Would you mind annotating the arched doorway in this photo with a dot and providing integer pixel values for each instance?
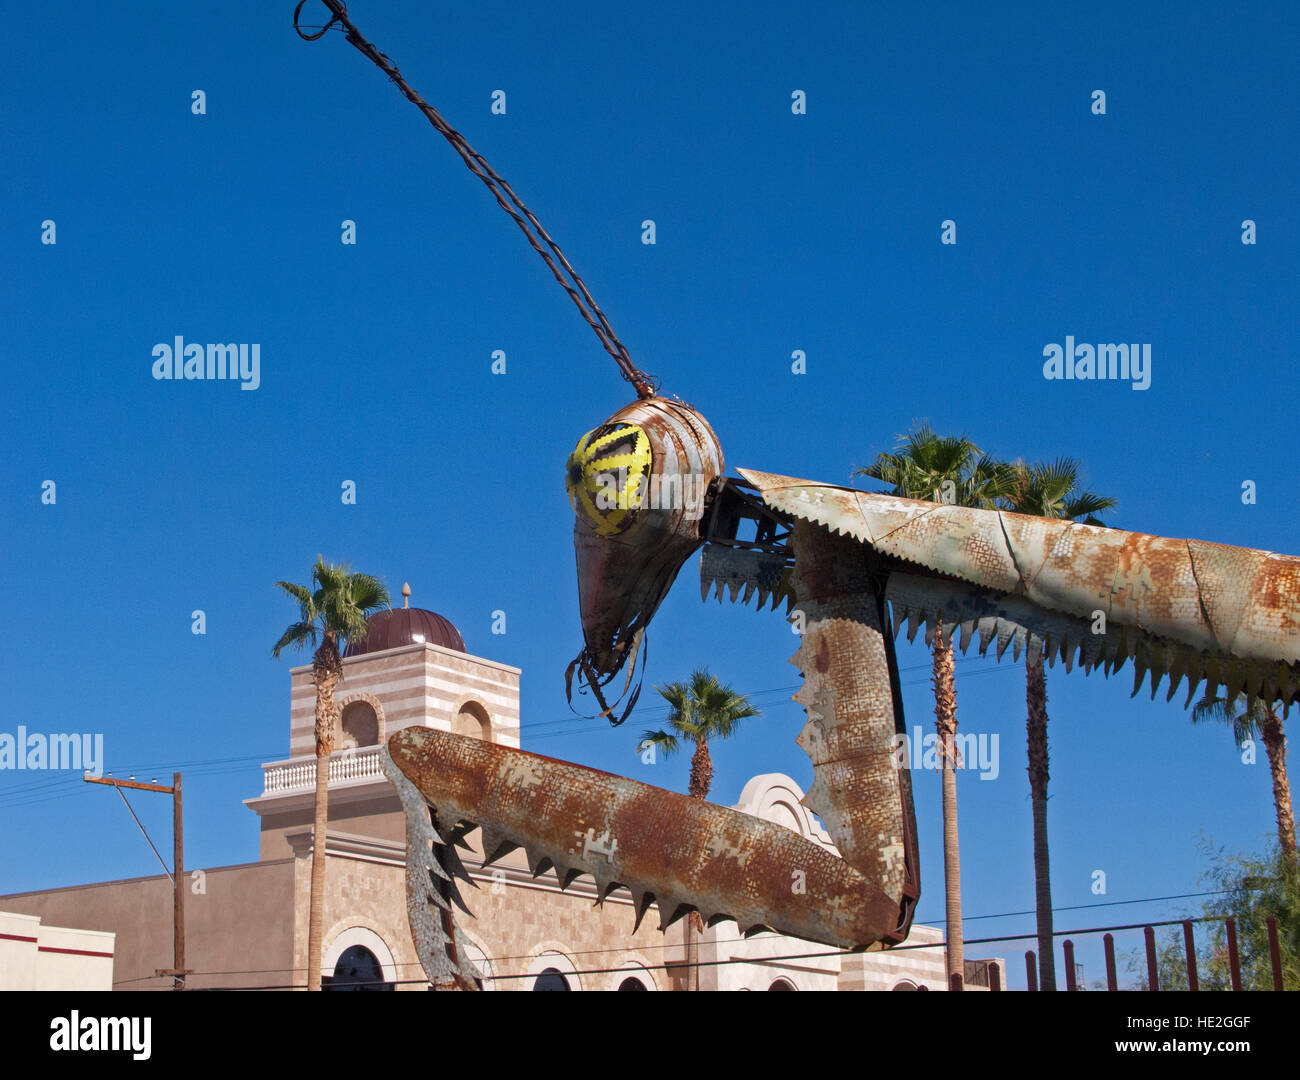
(551, 979)
(356, 969)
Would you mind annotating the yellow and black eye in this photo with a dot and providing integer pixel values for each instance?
(607, 476)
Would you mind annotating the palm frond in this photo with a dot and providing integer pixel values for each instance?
(298, 636)
(664, 740)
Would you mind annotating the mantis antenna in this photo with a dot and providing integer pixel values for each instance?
(538, 237)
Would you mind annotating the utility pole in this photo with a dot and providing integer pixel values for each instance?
(177, 971)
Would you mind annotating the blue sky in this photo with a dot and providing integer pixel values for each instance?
(775, 232)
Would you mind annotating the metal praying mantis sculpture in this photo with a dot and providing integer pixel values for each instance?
(648, 491)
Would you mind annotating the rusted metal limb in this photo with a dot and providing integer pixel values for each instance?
(854, 706)
(1212, 614)
(679, 853)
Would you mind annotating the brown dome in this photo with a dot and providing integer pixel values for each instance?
(396, 627)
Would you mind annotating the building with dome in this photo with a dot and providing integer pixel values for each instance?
(246, 925)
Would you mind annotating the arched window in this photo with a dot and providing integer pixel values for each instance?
(357, 969)
(359, 726)
(551, 979)
(782, 984)
(631, 983)
(472, 720)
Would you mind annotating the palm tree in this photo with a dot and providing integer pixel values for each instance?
(701, 709)
(1046, 489)
(952, 470)
(1259, 720)
(336, 610)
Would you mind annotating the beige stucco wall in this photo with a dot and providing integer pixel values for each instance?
(240, 924)
(34, 956)
(376, 812)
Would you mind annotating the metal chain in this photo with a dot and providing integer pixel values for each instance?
(501, 191)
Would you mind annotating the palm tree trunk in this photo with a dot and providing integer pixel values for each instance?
(945, 723)
(1275, 745)
(701, 771)
(701, 782)
(1036, 732)
(325, 669)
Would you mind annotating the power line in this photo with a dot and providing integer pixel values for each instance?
(838, 952)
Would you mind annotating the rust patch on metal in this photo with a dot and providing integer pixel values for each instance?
(680, 853)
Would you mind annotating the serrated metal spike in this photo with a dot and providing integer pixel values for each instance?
(1236, 679)
(817, 797)
(1213, 675)
(565, 875)
(538, 863)
(967, 632)
(988, 628)
(750, 931)
(1017, 643)
(1156, 676)
(640, 905)
(1139, 671)
(1005, 637)
(1132, 641)
(452, 862)
(458, 900)
(1118, 658)
(915, 621)
(749, 591)
(682, 910)
(496, 845)
(670, 910)
(1175, 679)
(1177, 669)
